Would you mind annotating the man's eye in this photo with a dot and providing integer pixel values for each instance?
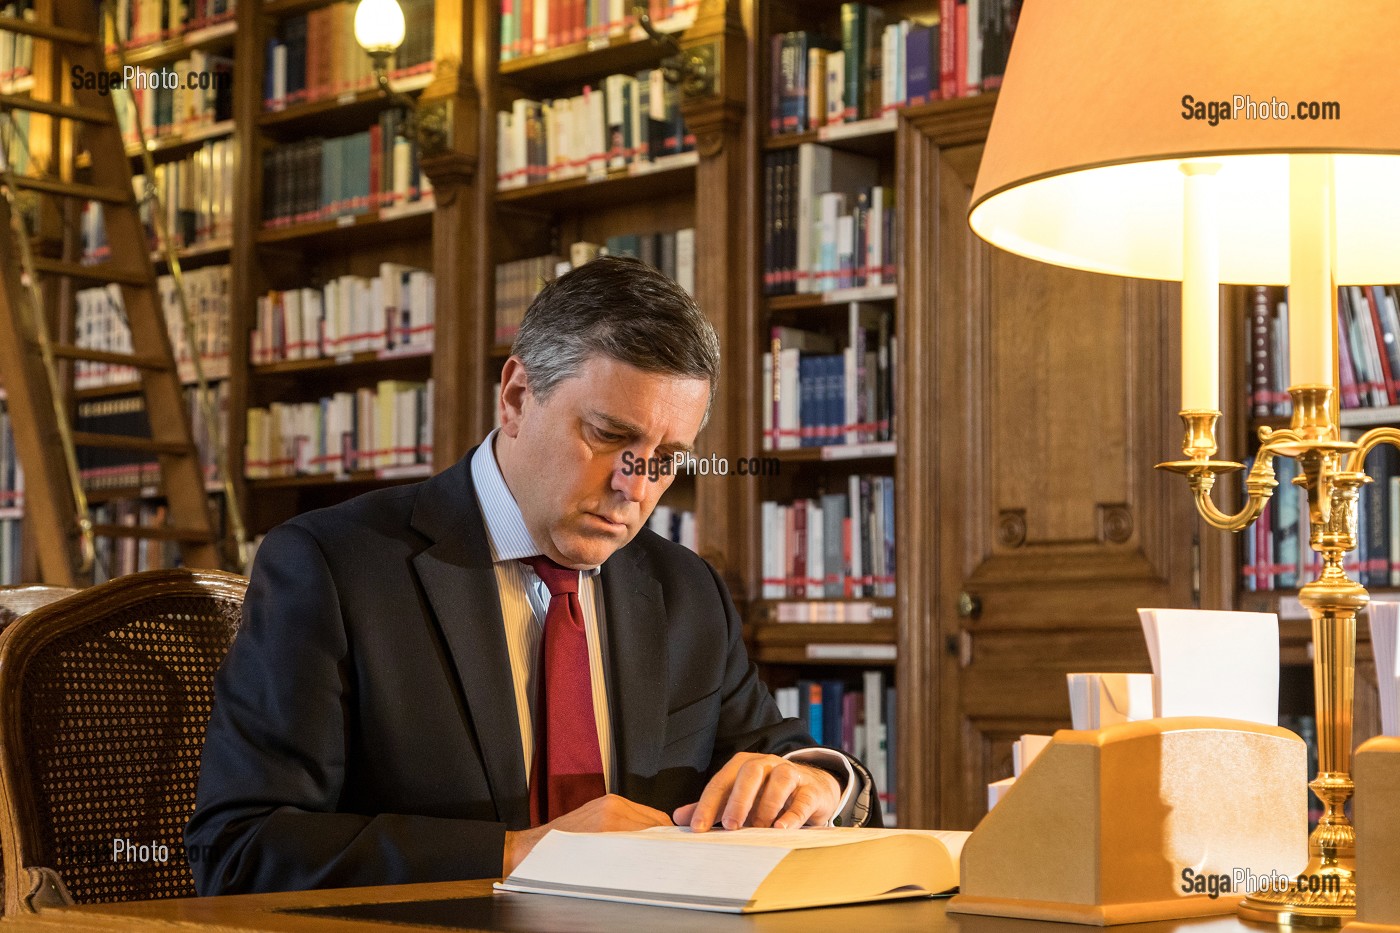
(608, 437)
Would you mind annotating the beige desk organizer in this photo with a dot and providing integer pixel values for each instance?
(1100, 827)
(1377, 808)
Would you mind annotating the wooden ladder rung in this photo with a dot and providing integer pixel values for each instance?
(52, 109)
(26, 27)
(100, 273)
(73, 189)
(140, 361)
(130, 442)
(154, 533)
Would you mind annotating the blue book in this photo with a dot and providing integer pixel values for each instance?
(833, 710)
(921, 64)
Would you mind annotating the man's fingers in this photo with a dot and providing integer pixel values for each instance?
(714, 795)
(777, 790)
(747, 784)
(683, 814)
(804, 804)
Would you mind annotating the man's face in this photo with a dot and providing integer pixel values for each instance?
(571, 460)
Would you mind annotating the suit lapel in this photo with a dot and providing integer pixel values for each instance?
(460, 583)
(636, 614)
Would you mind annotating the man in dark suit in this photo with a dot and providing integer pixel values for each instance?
(429, 678)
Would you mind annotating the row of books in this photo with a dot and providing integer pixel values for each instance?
(838, 546)
(11, 473)
(14, 140)
(676, 525)
(110, 468)
(387, 426)
(314, 56)
(117, 557)
(208, 295)
(817, 393)
(518, 282)
(177, 98)
(1368, 348)
(16, 51)
(100, 323)
(876, 67)
(142, 22)
(195, 193)
(625, 120)
(1276, 554)
(859, 720)
(322, 179)
(530, 27)
(829, 223)
(392, 312)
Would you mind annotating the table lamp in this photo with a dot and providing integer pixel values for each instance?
(380, 30)
(1238, 141)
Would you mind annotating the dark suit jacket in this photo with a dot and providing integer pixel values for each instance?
(364, 727)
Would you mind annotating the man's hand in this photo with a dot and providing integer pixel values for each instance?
(763, 790)
(608, 814)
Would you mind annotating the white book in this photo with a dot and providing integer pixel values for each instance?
(685, 259)
(1025, 750)
(998, 790)
(835, 87)
(743, 871)
(875, 751)
(1214, 663)
(1384, 619)
(890, 44)
(816, 573)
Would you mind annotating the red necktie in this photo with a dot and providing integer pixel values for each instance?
(566, 734)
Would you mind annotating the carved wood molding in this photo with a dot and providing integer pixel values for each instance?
(449, 173)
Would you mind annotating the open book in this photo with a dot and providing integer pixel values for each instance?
(743, 871)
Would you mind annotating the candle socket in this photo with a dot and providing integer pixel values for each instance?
(1199, 443)
(1312, 412)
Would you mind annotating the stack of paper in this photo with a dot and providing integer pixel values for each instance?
(1098, 700)
(1385, 619)
(1214, 663)
(1023, 751)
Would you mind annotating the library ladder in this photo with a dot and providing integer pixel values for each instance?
(66, 38)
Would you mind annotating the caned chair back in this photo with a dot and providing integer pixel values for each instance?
(15, 601)
(104, 701)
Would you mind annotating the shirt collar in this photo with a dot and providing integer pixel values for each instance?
(505, 525)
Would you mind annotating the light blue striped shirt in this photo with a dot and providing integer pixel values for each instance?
(525, 600)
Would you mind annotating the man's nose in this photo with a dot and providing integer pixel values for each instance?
(632, 485)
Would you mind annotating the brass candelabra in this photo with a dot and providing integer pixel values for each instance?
(1332, 474)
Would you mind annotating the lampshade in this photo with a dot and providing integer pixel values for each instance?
(379, 25)
(1082, 163)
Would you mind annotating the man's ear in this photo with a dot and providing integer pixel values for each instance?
(515, 388)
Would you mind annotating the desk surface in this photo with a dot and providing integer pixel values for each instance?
(471, 905)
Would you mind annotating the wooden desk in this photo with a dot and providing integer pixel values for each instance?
(471, 905)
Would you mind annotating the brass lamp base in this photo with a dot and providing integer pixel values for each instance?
(1330, 907)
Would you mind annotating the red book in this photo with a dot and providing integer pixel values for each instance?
(525, 16)
(1387, 375)
(948, 82)
(799, 548)
(960, 50)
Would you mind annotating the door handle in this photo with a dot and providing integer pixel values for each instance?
(969, 606)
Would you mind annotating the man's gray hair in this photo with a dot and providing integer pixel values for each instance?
(620, 308)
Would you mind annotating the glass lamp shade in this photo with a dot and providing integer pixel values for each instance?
(1102, 100)
(379, 25)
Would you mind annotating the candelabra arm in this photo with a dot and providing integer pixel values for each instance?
(1369, 441)
(1259, 483)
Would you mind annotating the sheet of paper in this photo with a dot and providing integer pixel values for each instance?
(997, 790)
(1214, 663)
(1384, 618)
(1025, 750)
(1124, 698)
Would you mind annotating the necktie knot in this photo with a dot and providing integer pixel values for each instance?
(558, 578)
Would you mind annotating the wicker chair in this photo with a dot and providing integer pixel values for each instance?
(104, 700)
(15, 601)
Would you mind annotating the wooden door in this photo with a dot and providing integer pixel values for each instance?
(1035, 402)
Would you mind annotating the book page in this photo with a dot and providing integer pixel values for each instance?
(808, 837)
